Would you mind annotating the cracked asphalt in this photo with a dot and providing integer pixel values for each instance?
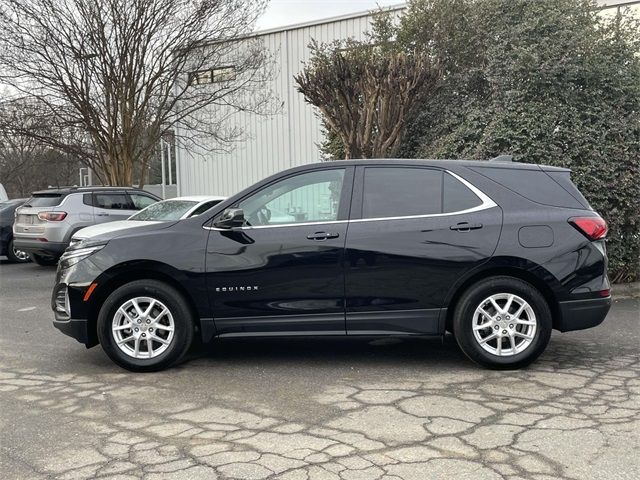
(307, 409)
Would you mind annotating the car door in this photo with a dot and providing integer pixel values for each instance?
(282, 271)
(414, 231)
(110, 206)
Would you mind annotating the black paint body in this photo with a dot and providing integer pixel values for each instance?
(380, 276)
(7, 216)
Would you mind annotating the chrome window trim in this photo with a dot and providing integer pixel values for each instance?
(487, 203)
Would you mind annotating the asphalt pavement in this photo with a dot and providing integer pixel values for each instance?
(311, 409)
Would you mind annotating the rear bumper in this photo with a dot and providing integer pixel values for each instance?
(581, 314)
(47, 249)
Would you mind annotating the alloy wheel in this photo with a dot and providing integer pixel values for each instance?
(20, 255)
(504, 324)
(143, 327)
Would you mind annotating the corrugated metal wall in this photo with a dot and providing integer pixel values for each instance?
(273, 143)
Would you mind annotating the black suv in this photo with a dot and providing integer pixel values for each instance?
(498, 253)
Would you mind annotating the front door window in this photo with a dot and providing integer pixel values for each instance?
(306, 198)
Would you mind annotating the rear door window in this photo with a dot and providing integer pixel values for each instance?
(112, 201)
(401, 191)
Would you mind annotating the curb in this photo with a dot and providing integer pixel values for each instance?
(625, 290)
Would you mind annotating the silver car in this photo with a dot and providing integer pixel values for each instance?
(46, 222)
(170, 210)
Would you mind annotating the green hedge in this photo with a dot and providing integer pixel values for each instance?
(548, 81)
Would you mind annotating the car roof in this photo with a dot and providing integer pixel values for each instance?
(93, 188)
(447, 163)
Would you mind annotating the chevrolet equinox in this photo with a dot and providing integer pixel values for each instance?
(498, 253)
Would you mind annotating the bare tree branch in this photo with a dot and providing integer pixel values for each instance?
(121, 72)
(366, 94)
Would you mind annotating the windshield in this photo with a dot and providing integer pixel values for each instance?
(164, 211)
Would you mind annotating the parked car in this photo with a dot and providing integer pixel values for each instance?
(498, 253)
(46, 222)
(7, 215)
(3, 194)
(163, 211)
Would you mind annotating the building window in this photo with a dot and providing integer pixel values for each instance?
(213, 75)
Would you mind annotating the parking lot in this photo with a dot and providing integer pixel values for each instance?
(313, 408)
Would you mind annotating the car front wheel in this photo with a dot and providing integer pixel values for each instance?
(502, 322)
(145, 325)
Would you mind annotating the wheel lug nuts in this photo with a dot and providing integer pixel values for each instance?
(151, 329)
(511, 325)
(144, 334)
(508, 317)
(148, 321)
(136, 329)
(497, 327)
(504, 332)
(139, 321)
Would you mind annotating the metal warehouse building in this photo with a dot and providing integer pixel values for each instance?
(289, 138)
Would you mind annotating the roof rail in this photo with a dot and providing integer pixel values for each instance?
(502, 158)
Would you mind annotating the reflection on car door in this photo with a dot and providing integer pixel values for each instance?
(282, 272)
(414, 232)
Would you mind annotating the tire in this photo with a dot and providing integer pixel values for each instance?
(142, 292)
(505, 342)
(43, 261)
(16, 256)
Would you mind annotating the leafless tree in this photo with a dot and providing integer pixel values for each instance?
(116, 75)
(365, 94)
(26, 164)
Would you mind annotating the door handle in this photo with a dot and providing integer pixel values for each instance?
(465, 226)
(102, 214)
(322, 236)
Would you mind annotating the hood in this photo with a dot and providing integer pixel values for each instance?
(109, 230)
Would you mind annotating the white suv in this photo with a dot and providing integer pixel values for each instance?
(46, 222)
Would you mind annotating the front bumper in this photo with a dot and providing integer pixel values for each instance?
(77, 328)
(46, 249)
(581, 314)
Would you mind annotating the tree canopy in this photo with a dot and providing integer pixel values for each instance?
(554, 82)
(117, 75)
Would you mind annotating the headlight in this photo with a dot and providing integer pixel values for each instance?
(79, 251)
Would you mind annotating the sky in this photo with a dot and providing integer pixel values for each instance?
(289, 12)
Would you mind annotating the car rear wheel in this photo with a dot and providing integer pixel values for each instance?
(145, 325)
(42, 260)
(15, 255)
(502, 322)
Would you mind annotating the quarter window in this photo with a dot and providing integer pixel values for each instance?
(112, 201)
(308, 197)
(141, 201)
(401, 191)
(457, 196)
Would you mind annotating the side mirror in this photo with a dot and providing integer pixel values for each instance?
(230, 218)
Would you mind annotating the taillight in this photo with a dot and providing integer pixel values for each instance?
(594, 228)
(52, 216)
